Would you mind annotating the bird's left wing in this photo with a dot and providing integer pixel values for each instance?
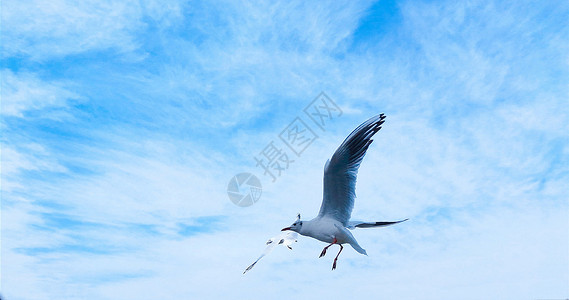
(341, 171)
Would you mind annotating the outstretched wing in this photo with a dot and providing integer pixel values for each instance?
(341, 171)
(286, 239)
(361, 224)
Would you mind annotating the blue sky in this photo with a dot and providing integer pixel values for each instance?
(123, 122)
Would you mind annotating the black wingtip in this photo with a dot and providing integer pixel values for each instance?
(249, 267)
(378, 224)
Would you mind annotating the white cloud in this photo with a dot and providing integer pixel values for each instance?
(29, 157)
(24, 92)
(43, 30)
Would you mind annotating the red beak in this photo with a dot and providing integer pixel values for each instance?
(286, 228)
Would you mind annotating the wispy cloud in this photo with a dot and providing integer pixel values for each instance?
(25, 93)
(42, 31)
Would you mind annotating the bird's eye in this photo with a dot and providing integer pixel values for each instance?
(300, 223)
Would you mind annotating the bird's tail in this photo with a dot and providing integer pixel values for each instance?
(358, 248)
(359, 224)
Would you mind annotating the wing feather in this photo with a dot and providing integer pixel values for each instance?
(340, 172)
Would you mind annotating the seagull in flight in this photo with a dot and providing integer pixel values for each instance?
(340, 172)
(285, 238)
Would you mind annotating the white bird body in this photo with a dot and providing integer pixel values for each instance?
(340, 172)
(327, 230)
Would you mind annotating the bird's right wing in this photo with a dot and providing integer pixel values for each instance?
(341, 171)
(360, 224)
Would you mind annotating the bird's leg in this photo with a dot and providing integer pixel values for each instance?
(326, 248)
(335, 259)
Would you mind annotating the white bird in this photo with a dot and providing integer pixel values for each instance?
(285, 238)
(340, 172)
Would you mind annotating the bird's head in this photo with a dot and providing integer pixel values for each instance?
(295, 226)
